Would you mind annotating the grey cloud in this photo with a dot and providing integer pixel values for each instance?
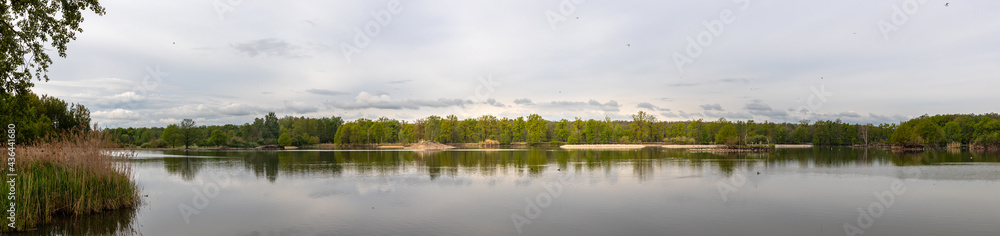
(729, 115)
(886, 118)
(270, 47)
(686, 115)
(850, 114)
(325, 92)
(210, 110)
(523, 101)
(650, 106)
(610, 106)
(735, 80)
(759, 108)
(757, 105)
(709, 107)
(365, 100)
(493, 102)
(299, 107)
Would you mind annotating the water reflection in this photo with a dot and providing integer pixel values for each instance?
(270, 165)
(345, 185)
(118, 222)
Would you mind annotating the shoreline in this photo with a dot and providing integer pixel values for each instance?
(602, 146)
(717, 146)
(475, 145)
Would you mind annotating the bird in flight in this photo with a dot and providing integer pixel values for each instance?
(946, 4)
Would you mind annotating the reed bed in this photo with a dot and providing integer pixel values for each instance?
(70, 174)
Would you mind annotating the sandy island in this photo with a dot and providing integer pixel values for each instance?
(603, 146)
(709, 146)
(425, 145)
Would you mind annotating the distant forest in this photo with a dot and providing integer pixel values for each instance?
(924, 131)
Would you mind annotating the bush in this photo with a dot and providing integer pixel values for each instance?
(679, 140)
(624, 139)
(285, 140)
(760, 139)
(238, 142)
(154, 143)
(991, 139)
(205, 143)
(265, 142)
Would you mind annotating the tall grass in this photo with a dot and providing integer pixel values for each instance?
(67, 175)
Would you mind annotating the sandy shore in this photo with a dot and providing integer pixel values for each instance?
(690, 146)
(602, 146)
(793, 146)
(701, 146)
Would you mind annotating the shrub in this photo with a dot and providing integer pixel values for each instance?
(240, 143)
(679, 140)
(761, 139)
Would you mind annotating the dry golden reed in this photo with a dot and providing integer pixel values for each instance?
(67, 175)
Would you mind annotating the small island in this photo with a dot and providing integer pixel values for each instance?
(425, 145)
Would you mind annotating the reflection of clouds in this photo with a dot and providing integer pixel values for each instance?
(326, 193)
(365, 189)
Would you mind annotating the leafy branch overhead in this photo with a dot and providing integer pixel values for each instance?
(27, 28)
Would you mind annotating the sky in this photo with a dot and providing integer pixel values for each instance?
(153, 63)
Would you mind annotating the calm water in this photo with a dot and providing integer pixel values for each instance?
(652, 191)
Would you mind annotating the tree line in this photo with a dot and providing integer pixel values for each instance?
(36, 117)
(643, 128)
(268, 130)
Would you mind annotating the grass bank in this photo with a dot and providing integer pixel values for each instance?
(65, 175)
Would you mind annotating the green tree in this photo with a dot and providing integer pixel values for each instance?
(562, 131)
(447, 128)
(219, 138)
(904, 136)
(641, 126)
(27, 26)
(536, 128)
(953, 131)
(171, 135)
(271, 127)
(188, 134)
(726, 135)
(285, 140)
(931, 133)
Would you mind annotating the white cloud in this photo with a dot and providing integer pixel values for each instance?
(428, 59)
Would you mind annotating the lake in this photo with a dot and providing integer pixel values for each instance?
(650, 191)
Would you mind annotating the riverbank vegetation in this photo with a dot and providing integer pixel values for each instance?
(977, 131)
(67, 174)
(925, 131)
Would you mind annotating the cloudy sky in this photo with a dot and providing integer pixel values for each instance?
(151, 63)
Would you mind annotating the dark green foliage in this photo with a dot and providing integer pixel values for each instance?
(35, 117)
(941, 129)
(187, 133)
(302, 131)
(726, 134)
(29, 28)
